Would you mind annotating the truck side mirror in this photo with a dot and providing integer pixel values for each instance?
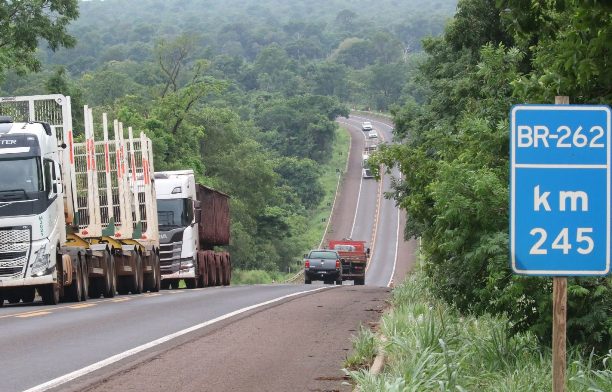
(368, 251)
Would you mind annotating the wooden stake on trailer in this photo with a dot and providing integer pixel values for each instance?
(559, 316)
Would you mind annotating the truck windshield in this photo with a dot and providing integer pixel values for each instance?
(20, 177)
(173, 213)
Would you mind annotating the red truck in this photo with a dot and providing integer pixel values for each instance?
(354, 257)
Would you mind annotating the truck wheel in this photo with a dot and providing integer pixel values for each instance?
(339, 282)
(307, 281)
(110, 277)
(359, 281)
(150, 281)
(219, 269)
(73, 292)
(229, 269)
(138, 276)
(205, 270)
(84, 280)
(226, 269)
(212, 272)
(50, 293)
(28, 295)
(1, 299)
(190, 283)
(157, 283)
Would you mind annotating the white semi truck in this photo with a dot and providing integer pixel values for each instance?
(77, 220)
(193, 219)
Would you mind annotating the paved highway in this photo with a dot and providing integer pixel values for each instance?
(173, 339)
(385, 237)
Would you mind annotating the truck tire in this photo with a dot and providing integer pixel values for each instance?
(307, 281)
(219, 269)
(157, 284)
(1, 299)
(84, 280)
(212, 272)
(109, 281)
(191, 283)
(339, 281)
(151, 280)
(50, 293)
(72, 293)
(222, 269)
(205, 270)
(229, 269)
(137, 278)
(226, 269)
(359, 281)
(202, 271)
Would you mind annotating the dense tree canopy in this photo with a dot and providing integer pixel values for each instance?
(24, 23)
(454, 151)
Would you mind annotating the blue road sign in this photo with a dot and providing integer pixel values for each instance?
(560, 188)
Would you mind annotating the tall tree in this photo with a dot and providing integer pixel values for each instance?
(24, 23)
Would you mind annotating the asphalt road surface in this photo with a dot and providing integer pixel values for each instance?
(240, 338)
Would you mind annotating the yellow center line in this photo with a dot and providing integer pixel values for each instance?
(33, 314)
(81, 306)
(122, 299)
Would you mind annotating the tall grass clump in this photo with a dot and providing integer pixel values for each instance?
(364, 349)
(429, 346)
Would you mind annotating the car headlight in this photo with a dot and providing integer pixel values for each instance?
(41, 262)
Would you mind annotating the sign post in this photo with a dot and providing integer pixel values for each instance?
(560, 201)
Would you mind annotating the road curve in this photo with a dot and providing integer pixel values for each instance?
(264, 337)
(378, 219)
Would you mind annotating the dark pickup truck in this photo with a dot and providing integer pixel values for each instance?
(322, 264)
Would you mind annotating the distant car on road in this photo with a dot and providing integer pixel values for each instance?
(366, 126)
(367, 173)
(322, 264)
(373, 134)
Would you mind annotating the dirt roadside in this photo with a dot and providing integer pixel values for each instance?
(299, 345)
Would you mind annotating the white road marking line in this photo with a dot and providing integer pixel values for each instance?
(397, 236)
(116, 358)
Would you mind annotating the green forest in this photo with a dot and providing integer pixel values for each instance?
(246, 93)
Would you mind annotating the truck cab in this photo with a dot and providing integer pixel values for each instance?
(31, 206)
(178, 226)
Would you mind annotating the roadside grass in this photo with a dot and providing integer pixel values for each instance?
(364, 350)
(329, 180)
(258, 277)
(430, 347)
